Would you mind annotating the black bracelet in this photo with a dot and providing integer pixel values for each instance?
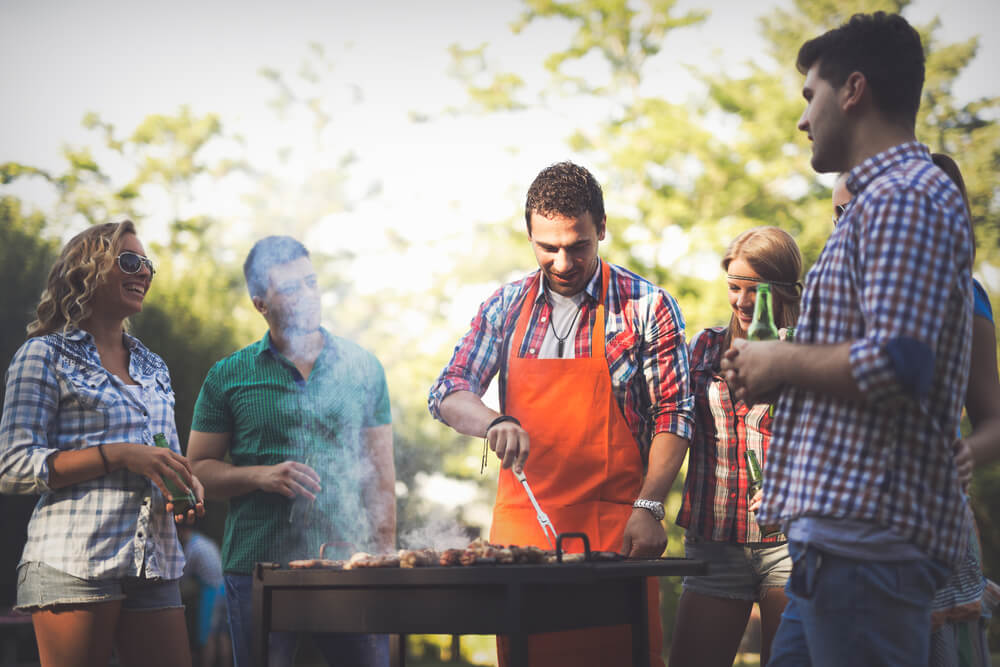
(486, 442)
(500, 420)
(104, 459)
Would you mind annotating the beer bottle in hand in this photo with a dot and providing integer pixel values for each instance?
(755, 482)
(762, 327)
(182, 499)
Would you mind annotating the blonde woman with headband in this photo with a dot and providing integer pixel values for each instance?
(101, 565)
(744, 565)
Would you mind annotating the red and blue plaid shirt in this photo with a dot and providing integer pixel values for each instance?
(894, 278)
(644, 346)
(715, 505)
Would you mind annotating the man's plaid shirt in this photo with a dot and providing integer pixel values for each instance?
(895, 279)
(644, 346)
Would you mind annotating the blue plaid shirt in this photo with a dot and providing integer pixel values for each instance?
(894, 278)
(60, 398)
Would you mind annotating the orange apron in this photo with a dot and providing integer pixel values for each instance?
(585, 470)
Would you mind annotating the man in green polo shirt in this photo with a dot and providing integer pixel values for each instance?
(304, 418)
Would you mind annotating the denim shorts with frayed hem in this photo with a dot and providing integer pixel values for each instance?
(42, 587)
(737, 571)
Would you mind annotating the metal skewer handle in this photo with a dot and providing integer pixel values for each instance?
(543, 518)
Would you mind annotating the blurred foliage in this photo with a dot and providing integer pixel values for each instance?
(26, 256)
(681, 179)
(624, 34)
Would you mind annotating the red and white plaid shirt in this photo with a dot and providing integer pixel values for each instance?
(715, 505)
(644, 346)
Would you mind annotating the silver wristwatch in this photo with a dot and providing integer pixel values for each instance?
(655, 508)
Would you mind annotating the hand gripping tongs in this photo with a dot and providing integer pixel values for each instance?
(543, 518)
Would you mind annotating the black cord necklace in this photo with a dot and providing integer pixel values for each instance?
(561, 344)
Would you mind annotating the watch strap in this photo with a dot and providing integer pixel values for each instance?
(654, 507)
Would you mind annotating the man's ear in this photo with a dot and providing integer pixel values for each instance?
(853, 91)
(259, 304)
(602, 227)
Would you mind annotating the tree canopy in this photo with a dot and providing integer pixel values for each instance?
(681, 179)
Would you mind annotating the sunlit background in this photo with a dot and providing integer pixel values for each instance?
(397, 140)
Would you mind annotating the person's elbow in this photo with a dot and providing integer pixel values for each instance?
(899, 369)
(19, 478)
(205, 452)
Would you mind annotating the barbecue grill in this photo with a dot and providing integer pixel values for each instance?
(511, 600)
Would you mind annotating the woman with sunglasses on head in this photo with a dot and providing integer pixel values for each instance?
(744, 565)
(101, 564)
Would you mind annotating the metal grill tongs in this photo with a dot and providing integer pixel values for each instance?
(543, 518)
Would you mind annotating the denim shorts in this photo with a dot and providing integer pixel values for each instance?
(737, 571)
(40, 587)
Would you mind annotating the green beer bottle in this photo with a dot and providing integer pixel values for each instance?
(755, 482)
(755, 478)
(762, 327)
(183, 500)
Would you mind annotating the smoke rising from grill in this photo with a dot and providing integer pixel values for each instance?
(338, 409)
(439, 533)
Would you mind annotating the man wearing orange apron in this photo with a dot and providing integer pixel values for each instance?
(594, 384)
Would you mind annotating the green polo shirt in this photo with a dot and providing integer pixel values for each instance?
(275, 415)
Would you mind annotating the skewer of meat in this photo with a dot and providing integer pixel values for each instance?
(484, 554)
(450, 557)
(527, 554)
(362, 560)
(551, 557)
(315, 563)
(410, 558)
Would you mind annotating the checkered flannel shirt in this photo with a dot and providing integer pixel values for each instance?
(644, 347)
(715, 505)
(60, 398)
(894, 278)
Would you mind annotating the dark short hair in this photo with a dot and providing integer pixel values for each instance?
(883, 47)
(565, 189)
(267, 253)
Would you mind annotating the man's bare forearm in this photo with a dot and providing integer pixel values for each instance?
(222, 480)
(666, 454)
(466, 413)
(825, 369)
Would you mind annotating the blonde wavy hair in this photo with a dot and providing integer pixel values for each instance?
(83, 265)
(774, 255)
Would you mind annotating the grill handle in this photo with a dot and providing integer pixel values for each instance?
(258, 569)
(582, 536)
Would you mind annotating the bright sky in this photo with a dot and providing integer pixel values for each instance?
(124, 60)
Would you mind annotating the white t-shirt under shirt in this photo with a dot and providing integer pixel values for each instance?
(565, 321)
